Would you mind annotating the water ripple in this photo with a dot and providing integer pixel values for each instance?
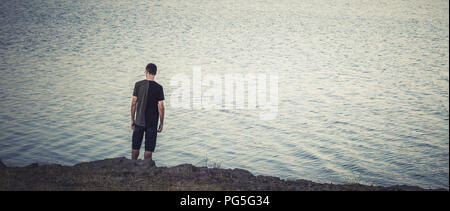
(363, 93)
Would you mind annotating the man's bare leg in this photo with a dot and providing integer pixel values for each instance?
(147, 155)
(134, 154)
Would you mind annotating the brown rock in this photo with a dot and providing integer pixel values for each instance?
(33, 165)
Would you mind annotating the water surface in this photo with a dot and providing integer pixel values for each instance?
(363, 91)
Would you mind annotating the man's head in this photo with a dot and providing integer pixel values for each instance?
(151, 69)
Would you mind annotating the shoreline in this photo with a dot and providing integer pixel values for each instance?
(125, 174)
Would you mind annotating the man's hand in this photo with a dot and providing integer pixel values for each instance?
(161, 115)
(160, 128)
(133, 109)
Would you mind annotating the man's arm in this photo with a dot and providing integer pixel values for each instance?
(161, 115)
(133, 109)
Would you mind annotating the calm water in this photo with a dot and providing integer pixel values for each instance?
(363, 89)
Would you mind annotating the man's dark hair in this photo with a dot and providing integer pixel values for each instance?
(151, 69)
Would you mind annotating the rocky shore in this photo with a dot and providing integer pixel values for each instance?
(125, 174)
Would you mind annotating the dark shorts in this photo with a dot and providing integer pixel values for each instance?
(150, 138)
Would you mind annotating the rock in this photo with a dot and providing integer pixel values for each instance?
(146, 163)
(105, 163)
(2, 165)
(126, 174)
(242, 173)
(404, 188)
(118, 164)
(182, 169)
(142, 167)
(33, 165)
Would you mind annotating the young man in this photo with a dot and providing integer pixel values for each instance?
(148, 97)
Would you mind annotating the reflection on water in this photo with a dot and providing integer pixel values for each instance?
(363, 89)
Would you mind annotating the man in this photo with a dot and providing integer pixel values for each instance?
(148, 97)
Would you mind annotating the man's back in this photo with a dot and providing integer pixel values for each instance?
(154, 95)
(148, 93)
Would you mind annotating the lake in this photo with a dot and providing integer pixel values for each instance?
(363, 86)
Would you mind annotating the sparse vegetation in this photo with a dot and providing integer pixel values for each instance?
(211, 163)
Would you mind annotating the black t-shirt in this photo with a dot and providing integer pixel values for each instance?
(155, 93)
